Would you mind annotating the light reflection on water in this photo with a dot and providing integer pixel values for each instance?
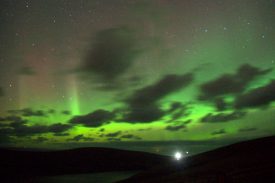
(106, 177)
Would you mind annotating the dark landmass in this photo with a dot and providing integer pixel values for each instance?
(251, 161)
(245, 162)
(22, 166)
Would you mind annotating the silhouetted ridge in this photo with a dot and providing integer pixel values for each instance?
(251, 161)
(74, 161)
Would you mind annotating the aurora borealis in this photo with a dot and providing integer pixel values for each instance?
(136, 72)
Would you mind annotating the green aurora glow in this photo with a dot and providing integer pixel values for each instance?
(48, 52)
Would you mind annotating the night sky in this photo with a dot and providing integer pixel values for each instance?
(149, 75)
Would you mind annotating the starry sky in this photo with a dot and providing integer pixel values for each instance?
(148, 75)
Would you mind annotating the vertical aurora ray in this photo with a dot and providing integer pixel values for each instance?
(73, 92)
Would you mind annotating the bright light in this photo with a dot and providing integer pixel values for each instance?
(178, 155)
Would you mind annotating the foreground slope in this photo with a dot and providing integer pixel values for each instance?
(16, 164)
(250, 161)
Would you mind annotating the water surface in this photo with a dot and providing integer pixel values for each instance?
(106, 177)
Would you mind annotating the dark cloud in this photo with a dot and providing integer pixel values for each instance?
(144, 129)
(247, 129)
(130, 136)
(14, 122)
(231, 83)
(19, 127)
(114, 139)
(28, 112)
(77, 137)
(24, 130)
(51, 111)
(26, 71)
(113, 52)
(155, 92)
(219, 132)
(175, 106)
(187, 121)
(257, 97)
(114, 134)
(175, 127)
(81, 137)
(61, 134)
(66, 112)
(94, 119)
(143, 115)
(222, 117)
(58, 128)
(143, 104)
(14, 119)
(178, 110)
(220, 104)
(40, 139)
